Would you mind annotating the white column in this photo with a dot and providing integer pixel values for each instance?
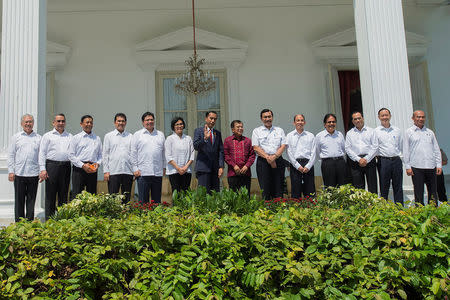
(23, 76)
(383, 64)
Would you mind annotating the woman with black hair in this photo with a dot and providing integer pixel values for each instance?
(179, 151)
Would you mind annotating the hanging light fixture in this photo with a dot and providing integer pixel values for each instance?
(195, 81)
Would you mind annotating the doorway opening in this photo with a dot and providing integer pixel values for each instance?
(350, 90)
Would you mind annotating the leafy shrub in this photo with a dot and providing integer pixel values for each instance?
(301, 253)
(86, 204)
(347, 196)
(223, 202)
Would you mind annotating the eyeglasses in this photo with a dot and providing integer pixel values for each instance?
(331, 122)
(60, 121)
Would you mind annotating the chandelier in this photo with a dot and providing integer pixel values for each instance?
(195, 81)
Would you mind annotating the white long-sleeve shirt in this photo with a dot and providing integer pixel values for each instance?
(23, 154)
(85, 147)
(180, 150)
(116, 155)
(390, 141)
(330, 145)
(421, 149)
(147, 152)
(361, 142)
(301, 146)
(54, 146)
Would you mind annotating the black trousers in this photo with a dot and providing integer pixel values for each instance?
(56, 185)
(333, 171)
(361, 174)
(427, 177)
(442, 193)
(390, 169)
(270, 179)
(302, 183)
(237, 182)
(25, 189)
(180, 182)
(209, 180)
(121, 182)
(82, 180)
(147, 185)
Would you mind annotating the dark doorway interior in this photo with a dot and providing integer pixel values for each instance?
(350, 88)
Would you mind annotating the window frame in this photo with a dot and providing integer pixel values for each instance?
(191, 100)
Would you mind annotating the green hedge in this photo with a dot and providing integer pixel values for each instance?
(378, 251)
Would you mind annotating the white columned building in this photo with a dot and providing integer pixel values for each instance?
(383, 64)
(23, 79)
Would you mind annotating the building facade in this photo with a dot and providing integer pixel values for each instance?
(102, 57)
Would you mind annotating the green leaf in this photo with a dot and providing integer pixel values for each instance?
(311, 249)
(435, 286)
(402, 294)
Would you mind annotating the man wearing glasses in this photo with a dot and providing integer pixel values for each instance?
(54, 164)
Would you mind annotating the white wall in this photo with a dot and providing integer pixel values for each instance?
(439, 68)
(280, 72)
(434, 23)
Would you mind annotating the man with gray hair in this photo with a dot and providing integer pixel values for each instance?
(23, 168)
(422, 157)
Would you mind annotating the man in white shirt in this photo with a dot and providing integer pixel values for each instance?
(330, 146)
(116, 158)
(301, 151)
(269, 143)
(54, 164)
(85, 154)
(390, 167)
(361, 146)
(23, 168)
(422, 157)
(148, 159)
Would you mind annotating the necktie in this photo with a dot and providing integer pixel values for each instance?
(211, 136)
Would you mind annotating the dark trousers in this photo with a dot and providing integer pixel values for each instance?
(270, 179)
(442, 193)
(361, 174)
(391, 170)
(302, 183)
(82, 180)
(56, 185)
(209, 180)
(122, 182)
(147, 185)
(333, 171)
(25, 189)
(424, 176)
(237, 182)
(180, 182)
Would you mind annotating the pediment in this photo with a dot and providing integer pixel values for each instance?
(182, 40)
(340, 48)
(169, 51)
(57, 55)
(348, 38)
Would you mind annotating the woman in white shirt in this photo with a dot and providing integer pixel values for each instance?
(179, 151)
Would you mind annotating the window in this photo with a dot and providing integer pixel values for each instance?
(192, 109)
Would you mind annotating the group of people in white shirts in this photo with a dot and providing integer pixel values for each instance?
(146, 156)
